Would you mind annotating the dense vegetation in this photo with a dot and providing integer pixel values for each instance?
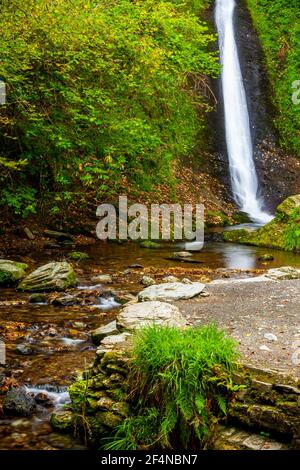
(99, 94)
(278, 25)
(179, 383)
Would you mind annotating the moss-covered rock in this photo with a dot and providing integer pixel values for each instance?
(283, 232)
(50, 277)
(62, 420)
(78, 256)
(149, 244)
(11, 272)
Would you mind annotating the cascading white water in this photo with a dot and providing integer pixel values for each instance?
(243, 175)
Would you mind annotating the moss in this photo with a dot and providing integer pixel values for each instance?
(149, 244)
(62, 421)
(78, 256)
(281, 233)
(5, 278)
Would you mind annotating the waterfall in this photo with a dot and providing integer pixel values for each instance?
(243, 174)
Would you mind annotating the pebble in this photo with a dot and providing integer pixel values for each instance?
(270, 337)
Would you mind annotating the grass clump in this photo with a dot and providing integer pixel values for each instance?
(78, 256)
(292, 232)
(179, 383)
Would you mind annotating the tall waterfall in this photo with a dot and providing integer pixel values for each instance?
(243, 175)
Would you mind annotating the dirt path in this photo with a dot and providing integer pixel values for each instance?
(248, 310)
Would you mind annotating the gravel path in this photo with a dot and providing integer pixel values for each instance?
(248, 310)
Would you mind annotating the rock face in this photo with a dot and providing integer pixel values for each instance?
(18, 403)
(286, 272)
(281, 233)
(11, 271)
(50, 277)
(139, 315)
(171, 291)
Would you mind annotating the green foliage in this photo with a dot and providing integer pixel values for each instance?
(78, 256)
(292, 232)
(111, 92)
(180, 380)
(278, 25)
(22, 200)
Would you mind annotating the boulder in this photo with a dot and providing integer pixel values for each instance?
(286, 272)
(50, 277)
(11, 272)
(66, 300)
(102, 331)
(280, 233)
(171, 291)
(61, 236)
(18, 403)
(139, 315)
(289, 205)
(38, 298)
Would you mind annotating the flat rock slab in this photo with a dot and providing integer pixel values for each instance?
(139, 315)
(250, 310)
(171, 291)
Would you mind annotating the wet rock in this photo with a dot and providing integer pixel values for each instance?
(149, 244)
(102, 331)
(52, 276)
(38, 299)
(136, 266)
(109, 342)
(147, 281)
(11, 272)
(171, 291)
(103, 279)
(182, 254)
(170, 279)
(61, 236)
(60, 441)
(62, 420)
(266, 257)
(18, 403)
(66, 301)
(286, 272)
(24, 349)
(78, 256)
(138, 315)
(43, 399)
(52, 332)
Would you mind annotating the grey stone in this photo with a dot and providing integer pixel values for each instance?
(103, 279)
(262, 386)
(286, 272)
(66, 301)
(170, 279)
(147, 281)
(102, 331)
(182, 254)
(11, 271)
(138, 315)
(24, 349)
(110, 342)
(52, 276)
(270, 337)
(18, 403)
(171, 291)
(61, 236)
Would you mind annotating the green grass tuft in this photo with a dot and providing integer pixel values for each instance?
(180, 381)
